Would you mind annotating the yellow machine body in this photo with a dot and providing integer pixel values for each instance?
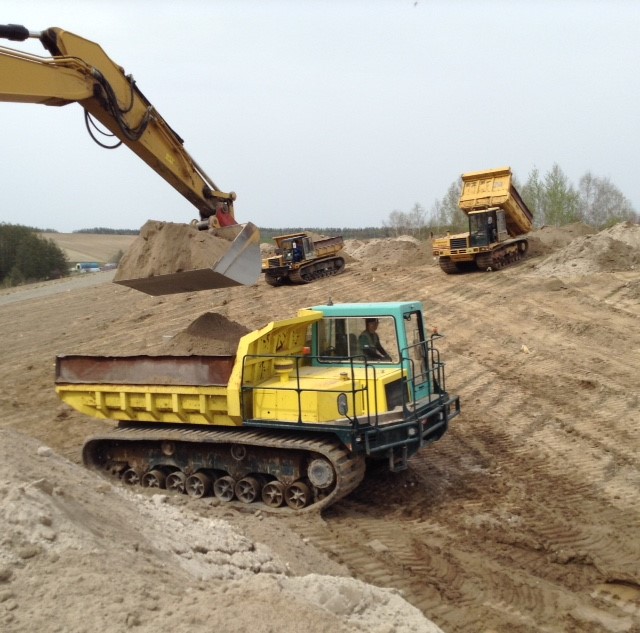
(288, 420)
(274, 388)
(300, 259)
(498, 222)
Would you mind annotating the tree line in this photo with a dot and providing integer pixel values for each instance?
(27, 256)
(267, 234)
(551, 198)
(101, 230)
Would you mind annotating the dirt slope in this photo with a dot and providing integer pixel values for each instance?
(90, 247)
(523, 518)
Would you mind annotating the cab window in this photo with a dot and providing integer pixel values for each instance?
(339, 339)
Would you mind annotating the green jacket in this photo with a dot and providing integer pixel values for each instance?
(370, 346)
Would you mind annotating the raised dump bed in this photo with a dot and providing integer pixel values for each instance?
(494, 188)
(498, 222)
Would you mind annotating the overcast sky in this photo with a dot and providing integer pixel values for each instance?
(331, 113)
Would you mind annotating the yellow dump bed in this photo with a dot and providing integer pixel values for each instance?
(328, 246)
(323, 247)
(180, 389)
(494, 188)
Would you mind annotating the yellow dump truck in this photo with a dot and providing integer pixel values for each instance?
(300, 259)
(498, 222)
(288, 423)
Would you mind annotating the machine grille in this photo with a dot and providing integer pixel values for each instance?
(458, 242)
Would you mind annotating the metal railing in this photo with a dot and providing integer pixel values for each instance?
(351, 388)
(427, 373)
(430, 369)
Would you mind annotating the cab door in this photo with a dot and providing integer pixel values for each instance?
(416, 359)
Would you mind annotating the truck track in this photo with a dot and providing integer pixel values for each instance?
(349, 471)
(317, 270)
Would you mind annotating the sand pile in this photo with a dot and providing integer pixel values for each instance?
(549, 239)
(400, 251)
(267, 250)
(404, 250)
(163, 248)
(78, 555)
(610, 250)
(210, 334)
(626, 232)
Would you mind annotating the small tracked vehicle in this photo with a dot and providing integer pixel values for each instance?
(299, 259)
(499, 220)
(289, 423)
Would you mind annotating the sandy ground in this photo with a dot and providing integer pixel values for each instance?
(91, 247)
(524, 517)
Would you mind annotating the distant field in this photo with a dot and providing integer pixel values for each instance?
(90, 247)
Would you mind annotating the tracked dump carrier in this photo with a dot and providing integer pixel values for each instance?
(499, 220)
(289, 422)
(299, 259)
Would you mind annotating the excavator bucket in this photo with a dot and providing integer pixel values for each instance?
(172, 258)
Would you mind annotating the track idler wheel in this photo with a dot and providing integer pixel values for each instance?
(447, 266)
(321, 473)
(273, 280)
(153, 479)
(198, 485)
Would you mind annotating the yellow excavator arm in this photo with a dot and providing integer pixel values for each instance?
(79, 71)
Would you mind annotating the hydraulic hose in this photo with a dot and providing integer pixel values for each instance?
(14, 32)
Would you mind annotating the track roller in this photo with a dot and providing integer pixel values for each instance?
(131, 477)
(198, 485)
(297, 495)
(224, 488)
(175, 482)
(248, 489)
(273, 494)
(153, 479)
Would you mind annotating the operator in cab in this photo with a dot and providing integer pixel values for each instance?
(369, 343)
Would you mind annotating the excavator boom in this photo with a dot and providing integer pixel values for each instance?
(79, 71)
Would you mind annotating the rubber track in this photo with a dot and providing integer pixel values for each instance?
(484, 261)
(448, 266)
(349, 469)
(273, 281)
(320, 272)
